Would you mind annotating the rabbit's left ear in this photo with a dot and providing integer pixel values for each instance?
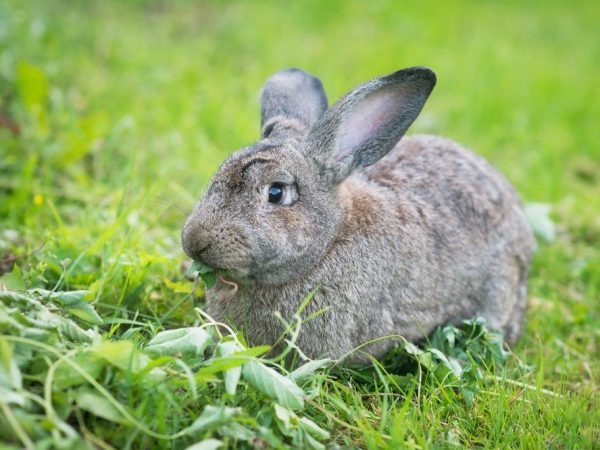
(291, 101)
(365, 124)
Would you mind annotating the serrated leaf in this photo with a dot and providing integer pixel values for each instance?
(273, 385)
(201, 268)
(71, 330)
(75, 302)
(212, 417)
(206, 273)
(181, 340)
(308, 369)
(98, 405)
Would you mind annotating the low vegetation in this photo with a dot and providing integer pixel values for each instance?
(114, 115)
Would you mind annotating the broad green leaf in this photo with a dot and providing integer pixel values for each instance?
(307, 369)
(98, 405)
(237, 431)
(206, 444)
(451, 364)
(121, 354)
(273, 385)
(212, 417)
(231, 376)
(222, 364)
(65, 376)
(312, 428)
(75, 302)
(284, 415)
(64, 298)
(181, 340)
(11, 397)
(312, 443)
(71, 330)
(13, 279)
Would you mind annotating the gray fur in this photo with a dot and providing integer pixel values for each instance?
(399, 237)
(291, 101)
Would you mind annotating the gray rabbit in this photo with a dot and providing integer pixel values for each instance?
(398, 236)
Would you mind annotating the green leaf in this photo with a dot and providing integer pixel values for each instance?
(231, 376)
(211, 418)
(98, 405)
(13, 279)
(451, 364)
(206, 273)
(75, 302)
(121, 354)
(179, 287)
(32, 85)
(273, 385)
(181, 340)
(65, 376)
(206, 444)
(308, 369)
(312, 428)
(10, 375)
(11, 397)
(538, 215)
(71, 330)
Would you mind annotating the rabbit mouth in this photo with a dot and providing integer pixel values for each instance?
(231, 275)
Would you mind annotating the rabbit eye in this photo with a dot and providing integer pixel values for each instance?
(280, 194)
(275, 193)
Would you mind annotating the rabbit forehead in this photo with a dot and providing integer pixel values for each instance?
(278, 157)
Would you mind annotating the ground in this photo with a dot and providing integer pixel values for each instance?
(113, 117)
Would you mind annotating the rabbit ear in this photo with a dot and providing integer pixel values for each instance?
(365, 124)
(291, 101)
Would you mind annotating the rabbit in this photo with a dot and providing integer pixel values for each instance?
(394, 235)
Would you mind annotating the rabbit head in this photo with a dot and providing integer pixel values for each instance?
(273, 209)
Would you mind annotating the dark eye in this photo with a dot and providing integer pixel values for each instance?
(275, 193)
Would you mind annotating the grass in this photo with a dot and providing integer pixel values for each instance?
(114, 115)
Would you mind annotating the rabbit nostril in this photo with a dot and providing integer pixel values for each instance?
(196, 239)
(196, 248)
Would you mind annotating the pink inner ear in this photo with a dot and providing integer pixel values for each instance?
(366, 120)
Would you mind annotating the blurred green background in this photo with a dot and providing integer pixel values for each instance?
(114, 115)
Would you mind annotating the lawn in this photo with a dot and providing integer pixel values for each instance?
(113, 117)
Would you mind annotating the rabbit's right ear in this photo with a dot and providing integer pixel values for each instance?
(291, 101)
(366, 123)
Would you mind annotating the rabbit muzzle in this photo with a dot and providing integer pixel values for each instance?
(220, 246)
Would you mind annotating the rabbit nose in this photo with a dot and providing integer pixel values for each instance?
(195, 238)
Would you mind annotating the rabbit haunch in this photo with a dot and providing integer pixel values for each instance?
(399, 235)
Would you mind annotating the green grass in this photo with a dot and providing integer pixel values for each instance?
(125, 110)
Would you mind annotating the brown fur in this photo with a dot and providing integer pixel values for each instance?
(397, 237)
